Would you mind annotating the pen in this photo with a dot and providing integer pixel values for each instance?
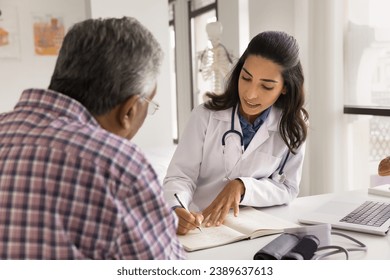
(182, 205)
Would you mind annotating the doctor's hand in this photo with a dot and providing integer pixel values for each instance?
(228, 198)
(187, 220)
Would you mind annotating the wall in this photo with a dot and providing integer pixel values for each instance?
(234, 16)
(157, 129)
(328, 141)
(271, 15)
(28, 69)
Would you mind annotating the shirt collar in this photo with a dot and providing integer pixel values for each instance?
(258, 121)
(56, 102)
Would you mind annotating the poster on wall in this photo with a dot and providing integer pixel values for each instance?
(9, 32)
(49, 33)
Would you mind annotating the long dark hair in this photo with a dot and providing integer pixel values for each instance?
(283, 50)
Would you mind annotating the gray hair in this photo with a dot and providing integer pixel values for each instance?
(102, 62)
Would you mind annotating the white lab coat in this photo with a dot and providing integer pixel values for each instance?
(199, 166)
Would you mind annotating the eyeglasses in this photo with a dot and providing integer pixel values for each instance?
(151, 109)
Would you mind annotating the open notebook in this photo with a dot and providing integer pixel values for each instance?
(356, 214)
(249, 224)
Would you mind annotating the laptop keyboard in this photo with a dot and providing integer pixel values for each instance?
(370, 213)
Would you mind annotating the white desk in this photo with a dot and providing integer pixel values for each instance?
(378, 246)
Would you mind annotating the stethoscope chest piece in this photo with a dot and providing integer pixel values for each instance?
(280, 178)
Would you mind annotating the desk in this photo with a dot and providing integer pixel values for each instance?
(378, 246)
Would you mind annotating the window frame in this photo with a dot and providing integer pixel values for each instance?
(367, 110)
(192, 14)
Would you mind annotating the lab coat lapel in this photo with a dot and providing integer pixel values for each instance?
(259, 138)
(270, 124)
(232, 149)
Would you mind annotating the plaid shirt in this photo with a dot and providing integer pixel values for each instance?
(71, 190)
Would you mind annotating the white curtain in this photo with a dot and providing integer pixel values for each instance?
(319, 28)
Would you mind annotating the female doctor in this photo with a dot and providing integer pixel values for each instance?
(246, 146)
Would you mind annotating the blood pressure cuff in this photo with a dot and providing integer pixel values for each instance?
(289, 247)
(277, 248)
(304, 250)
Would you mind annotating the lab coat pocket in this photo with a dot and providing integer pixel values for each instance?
(261, 165)
(232, 153)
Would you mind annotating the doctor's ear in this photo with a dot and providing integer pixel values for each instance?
(284, 90)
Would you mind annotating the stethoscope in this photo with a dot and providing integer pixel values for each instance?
(232, 130)
(279, 177)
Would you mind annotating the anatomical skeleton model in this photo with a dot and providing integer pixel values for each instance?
(215, 62)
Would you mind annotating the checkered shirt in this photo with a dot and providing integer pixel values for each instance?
(71, 190)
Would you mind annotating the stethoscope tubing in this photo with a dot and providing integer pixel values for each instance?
(232, 130)
(284, 163)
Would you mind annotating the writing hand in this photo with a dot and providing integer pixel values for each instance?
(187, 220)
(228, 198)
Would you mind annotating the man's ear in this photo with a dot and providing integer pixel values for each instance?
(127, 111)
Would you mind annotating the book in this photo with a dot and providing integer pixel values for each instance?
(383, 190)
(250, 223)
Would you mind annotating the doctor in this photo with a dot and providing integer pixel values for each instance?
(246, 146)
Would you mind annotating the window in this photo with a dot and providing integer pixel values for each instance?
(201, 13)
(187, 23)
(368, 53)
(172, 62)
(367, 87)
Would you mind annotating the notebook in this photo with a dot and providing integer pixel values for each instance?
(341, 213)
(249, 224)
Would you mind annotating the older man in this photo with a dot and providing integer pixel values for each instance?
(72, 185)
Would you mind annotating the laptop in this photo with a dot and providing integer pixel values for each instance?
(350, 213)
